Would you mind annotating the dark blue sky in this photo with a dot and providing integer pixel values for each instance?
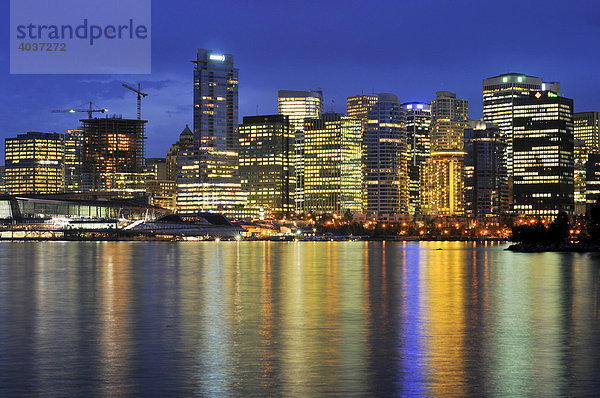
(409, 48)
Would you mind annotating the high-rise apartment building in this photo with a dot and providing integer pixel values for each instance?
(186, 141)
(385, 159)
(499, 95)
(113, 155)
(417, 118)
(266, 159)
(298, 106)
(543, 154)
(485, 178)
(332, 164)
(34, 163)
(442, 175)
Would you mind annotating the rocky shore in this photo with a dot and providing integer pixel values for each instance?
(581, 247)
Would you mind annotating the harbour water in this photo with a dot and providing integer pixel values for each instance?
(296, 319)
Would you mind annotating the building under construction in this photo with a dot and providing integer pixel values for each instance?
(113, 155)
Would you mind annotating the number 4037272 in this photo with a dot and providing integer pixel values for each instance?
(43, 46)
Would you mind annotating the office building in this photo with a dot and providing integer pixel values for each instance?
(113, 156)
(581, 152)
(499, 95)
(359, 106)
(74, 150)
(485, 174)
(385, 159)
(543, 155)
(2, 183)
(185, 141)
(417, 118)
(586, 127)
(34, 163)
(592, 176)
(208, 181)
(266, 159)
(442, 174)
(215, 101)
(332, 164)
(298, 106)
(442, 184)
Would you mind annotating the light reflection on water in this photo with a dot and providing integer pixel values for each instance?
(296, 319)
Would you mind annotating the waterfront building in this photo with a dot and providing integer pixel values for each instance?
(332, 164)
(581, 152)
(207, 177)
(34, 163)
(266, 159)
(208, 181)
(417, 119)
(74, 150)
(543, 154)
(385, 159)
(113, 156)
(485, 174)
(499, 95)
(298, 106)
(442, 175)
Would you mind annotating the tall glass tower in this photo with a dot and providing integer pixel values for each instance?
(215, 101)
(299, 106)
(385, 159)
(417, 116)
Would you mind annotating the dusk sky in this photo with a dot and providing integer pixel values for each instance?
(411, 49)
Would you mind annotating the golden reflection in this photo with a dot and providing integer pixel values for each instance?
(444, 315)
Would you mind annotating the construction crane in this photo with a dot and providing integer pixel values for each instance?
(140, 95)
(89, 111)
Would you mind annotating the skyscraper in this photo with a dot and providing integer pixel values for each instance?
(332, 155)
(543, 154)
(417, 116)
(442, 175)
(267, 163)
(113, 155)
(586, 127)
(499, 94)
(74, 150)
(486, 180)
(359, 106)
(215, 101)
(208, 176)
(298, 106)
(385, 159)
(34, 163)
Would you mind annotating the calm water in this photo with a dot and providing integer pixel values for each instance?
(296, 319)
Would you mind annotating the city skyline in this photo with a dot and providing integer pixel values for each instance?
(362, 65)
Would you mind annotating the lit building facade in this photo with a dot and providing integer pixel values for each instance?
(499, 95)
(442, 175)
(34, 163)
(592, 176)
(332, 156)
(359, 106)
(208, 181)
(417, 119)
(74, 150)
(586, 127)
(298, 106)
(385, 159)
(215, 101)
(266, 159)
(581, 152)
(485, 174)
(543, 155)
(186, 141)
(113, 156)
(442, 184)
